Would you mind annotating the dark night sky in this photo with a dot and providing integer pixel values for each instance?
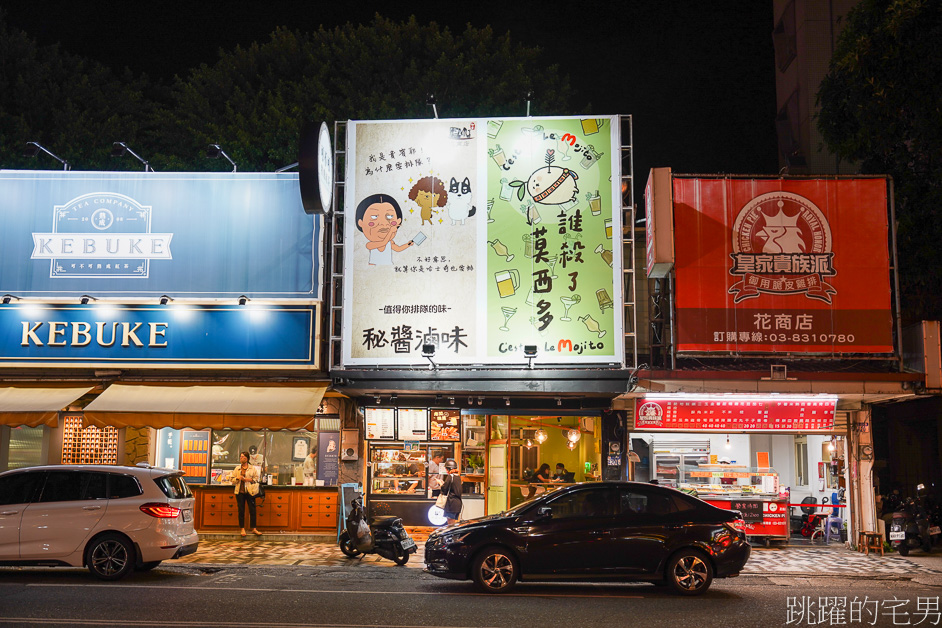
(697, 76)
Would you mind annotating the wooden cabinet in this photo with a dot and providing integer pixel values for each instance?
(283, 509)
(318, 510)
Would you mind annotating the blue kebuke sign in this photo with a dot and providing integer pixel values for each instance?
(152, 335)
(121, 234)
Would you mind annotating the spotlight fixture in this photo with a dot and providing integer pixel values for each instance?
(376, 399)
(430, 101)
(480, 401)
(164, 300)
(506, 401)
(559, 401)
(393, 399)
(120, 149)
(243, 300)
(728, 446)
(9, 297)
(213, 151)
(428, 352)
(32, 149)
(832, 445)
(85, 299)
(529, 352)
(451, 401)
(470, 401)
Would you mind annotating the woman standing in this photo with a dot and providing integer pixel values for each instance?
(245, 478)
(451, 486)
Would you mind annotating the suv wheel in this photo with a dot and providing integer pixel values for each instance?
(110, 557)
(495, 570)
(689, 572)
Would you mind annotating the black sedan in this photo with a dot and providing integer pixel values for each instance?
(599, 531)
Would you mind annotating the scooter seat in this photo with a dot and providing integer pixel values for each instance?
(383, 521)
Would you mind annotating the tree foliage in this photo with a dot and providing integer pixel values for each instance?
(73, 106)
(881, 105)
(254, 99)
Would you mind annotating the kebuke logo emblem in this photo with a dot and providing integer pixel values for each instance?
(649, 414)
(782, 245)
(101, 235)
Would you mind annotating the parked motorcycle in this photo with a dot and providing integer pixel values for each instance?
(910, 527)
(383, 535)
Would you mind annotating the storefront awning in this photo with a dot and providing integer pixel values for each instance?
(206, 406)
(37, 405)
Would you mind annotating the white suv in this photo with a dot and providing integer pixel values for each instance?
(112, 519)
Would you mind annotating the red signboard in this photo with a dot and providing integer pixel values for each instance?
(778, 265)
(734, 416)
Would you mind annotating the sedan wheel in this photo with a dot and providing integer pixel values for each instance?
(110, 557)
(689, 573)
(495, 570)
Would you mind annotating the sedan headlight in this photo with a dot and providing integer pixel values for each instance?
(453, 537)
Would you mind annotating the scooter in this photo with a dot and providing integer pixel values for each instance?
(383, 535)
(910, 528)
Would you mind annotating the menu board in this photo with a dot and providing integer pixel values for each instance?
(412, 423)
(751, 510)
(194, 456)
(380, 423)
(445, 424)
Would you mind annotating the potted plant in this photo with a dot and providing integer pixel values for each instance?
(476, 462)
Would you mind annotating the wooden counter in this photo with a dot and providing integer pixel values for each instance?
(303, 509)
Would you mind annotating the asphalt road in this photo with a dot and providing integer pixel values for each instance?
(251, 597)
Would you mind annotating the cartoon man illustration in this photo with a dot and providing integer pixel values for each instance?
(378, 218)
(428, 193)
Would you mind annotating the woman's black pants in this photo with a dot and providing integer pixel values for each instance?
(241, 500)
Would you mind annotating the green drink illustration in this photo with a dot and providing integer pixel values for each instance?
(568, 302)
(592, 325)
(508, 313)
(501, 249)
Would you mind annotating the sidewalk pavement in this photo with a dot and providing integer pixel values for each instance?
(825, 560)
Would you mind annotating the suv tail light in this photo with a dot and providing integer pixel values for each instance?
(161, 511)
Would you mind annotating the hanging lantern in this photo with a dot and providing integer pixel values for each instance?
(571, 445)
(528, 444)
(540, 436)
(573, 435)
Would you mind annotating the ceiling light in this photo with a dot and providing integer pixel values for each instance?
(480, 400)
(451, 401)
(528, 444)
(573, 435)
(541, 436)
(376, 399)
(571, 445)
(506, 401)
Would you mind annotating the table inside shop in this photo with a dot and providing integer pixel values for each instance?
(535, 486)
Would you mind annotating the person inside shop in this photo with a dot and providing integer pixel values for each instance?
(452, 487)
(257, 460)
(245, 479)
(562, 475)
(435, 473)
(409, 486)
(540, 476)
(309, 467)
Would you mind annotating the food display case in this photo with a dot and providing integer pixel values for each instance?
(397, 471)
(397, 480)
(754, 491)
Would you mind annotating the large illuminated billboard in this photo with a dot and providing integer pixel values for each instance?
(482, 236)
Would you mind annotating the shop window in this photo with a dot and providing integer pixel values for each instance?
(279, 454)
(26, 447)
(801, 461)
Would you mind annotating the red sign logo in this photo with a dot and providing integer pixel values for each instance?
(782, 245)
